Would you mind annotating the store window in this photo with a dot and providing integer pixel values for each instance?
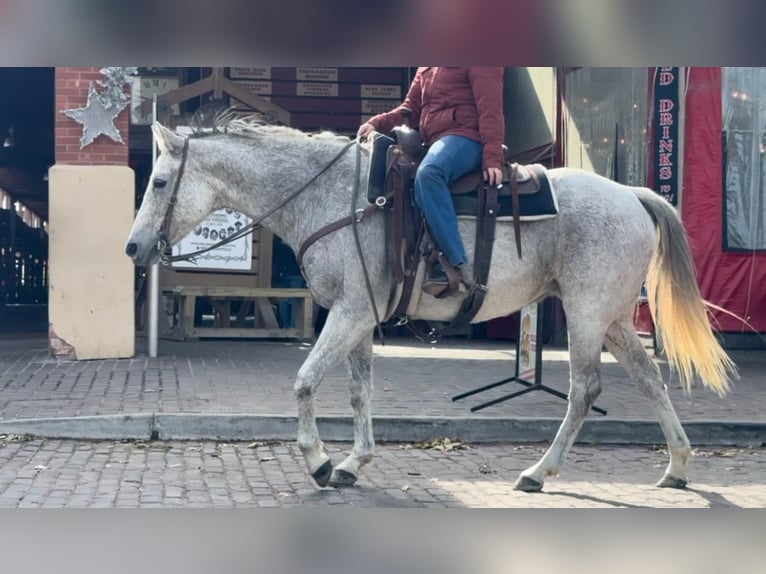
(606, 122)
(744, 140)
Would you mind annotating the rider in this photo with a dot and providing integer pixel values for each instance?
(459, 113)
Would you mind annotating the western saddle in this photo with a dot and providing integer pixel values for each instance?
(393, 165)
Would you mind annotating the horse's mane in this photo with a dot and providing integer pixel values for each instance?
(250, 125)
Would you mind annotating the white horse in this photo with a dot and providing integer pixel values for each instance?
(595, 255)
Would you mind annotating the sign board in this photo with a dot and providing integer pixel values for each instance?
(250, 73)
(528, 344)
(234, 256)
(377, 106)
(381, 91)
(316, 74)
(257, 88)
(665, 114)
(262, 89)
(316, 90)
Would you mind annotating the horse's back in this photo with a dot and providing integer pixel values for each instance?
(605, 236)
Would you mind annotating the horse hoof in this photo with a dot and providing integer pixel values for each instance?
(343, 478)
(322, 475)
(526, 484)
(669, 481)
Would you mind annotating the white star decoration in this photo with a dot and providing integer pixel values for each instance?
(96, 119)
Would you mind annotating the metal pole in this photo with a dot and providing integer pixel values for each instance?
(153, 293)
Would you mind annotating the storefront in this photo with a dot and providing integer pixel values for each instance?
(698, 136)
(695, 134)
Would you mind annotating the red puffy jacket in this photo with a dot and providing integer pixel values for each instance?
(460, 101)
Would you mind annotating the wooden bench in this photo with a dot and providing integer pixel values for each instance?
(256, 301)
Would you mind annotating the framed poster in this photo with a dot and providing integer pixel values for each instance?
(234, 256)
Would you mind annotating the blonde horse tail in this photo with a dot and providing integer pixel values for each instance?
(676, 304)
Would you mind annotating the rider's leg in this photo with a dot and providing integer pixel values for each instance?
(447, 159)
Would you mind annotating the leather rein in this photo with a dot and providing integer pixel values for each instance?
(164, 240)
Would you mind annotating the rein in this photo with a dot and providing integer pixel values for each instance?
(164, 229)
(353, 219)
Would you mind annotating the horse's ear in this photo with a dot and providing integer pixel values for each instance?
(168, 141)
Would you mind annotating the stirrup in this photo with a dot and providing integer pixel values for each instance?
(445, 279)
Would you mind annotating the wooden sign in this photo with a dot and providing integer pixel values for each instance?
(257, 88)
(250, 73)
(377, 106)
(381, 91)
(319, 90)
(316, 74)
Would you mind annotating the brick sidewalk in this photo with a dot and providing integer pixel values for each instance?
(127, 474)
(411, 379)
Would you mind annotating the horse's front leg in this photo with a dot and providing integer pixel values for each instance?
(360, 371)
(342, 332)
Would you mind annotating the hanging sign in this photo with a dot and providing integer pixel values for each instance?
(665, 115)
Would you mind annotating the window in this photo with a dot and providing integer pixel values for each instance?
(744, 137)
(606, 122)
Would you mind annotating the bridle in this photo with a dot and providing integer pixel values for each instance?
(164, 241)
(165, 227)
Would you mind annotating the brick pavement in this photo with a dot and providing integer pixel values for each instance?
(257, 378)
(35, 473)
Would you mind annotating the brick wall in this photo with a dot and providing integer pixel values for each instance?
(72, 92)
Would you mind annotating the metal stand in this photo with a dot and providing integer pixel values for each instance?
(153, 292)
(530, 386)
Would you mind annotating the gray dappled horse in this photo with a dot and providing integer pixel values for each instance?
(594, 256)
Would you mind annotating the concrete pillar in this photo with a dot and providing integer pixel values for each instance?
(92, 204)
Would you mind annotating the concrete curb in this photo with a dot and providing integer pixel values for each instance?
(242, 426)
(103, 427)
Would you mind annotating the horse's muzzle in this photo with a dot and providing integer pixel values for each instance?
(142, 249)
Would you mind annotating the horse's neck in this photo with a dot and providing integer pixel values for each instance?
(273, 176)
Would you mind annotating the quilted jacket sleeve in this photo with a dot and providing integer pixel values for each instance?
(487, 87)
(387, 121)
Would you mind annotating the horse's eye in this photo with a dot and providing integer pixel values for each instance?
(160, 183)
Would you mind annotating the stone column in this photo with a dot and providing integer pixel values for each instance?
(92, 204)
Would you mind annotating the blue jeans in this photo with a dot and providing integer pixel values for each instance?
(447, 160)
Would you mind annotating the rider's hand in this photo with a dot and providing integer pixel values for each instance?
(365, 130)
(493, 176)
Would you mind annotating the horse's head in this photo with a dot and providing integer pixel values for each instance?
(176, 200)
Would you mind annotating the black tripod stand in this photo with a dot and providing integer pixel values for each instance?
(536, 384)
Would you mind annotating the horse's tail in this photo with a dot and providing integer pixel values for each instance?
(677, 305)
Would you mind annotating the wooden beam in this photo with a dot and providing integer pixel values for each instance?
(267, 313)
(234, 333)
(181, 94)
(256, 102)
(240, 292)
(218, 84)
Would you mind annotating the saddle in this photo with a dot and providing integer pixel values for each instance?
(393, 165)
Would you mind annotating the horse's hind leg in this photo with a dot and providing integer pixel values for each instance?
(340, 335)
(585, 342)
(360, 371)
(623, 342)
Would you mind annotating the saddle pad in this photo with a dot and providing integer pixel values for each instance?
(532, 207)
